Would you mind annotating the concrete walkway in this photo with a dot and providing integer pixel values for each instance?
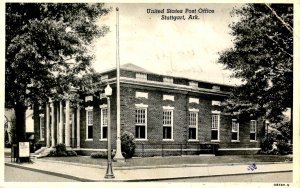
(83, 172)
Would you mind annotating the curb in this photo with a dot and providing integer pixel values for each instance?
(132, 180)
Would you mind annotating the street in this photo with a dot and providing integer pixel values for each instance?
(12, 174)
(277, 177)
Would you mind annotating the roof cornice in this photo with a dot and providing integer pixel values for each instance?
(168, 86)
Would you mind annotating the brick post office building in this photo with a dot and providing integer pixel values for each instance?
(167, 115)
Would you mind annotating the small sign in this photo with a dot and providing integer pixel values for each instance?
(24, 149)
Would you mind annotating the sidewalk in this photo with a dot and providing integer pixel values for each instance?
(83, 172)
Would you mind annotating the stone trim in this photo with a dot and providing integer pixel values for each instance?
(168, 97)
(103, 106)
(168, 107)
(89, 98)
(141, 105)
(193, 110)
(139, 94)
(193, 100)
(216, 103)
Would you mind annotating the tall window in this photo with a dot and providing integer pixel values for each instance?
(168, 79)
(193, 125)
(168, 124)
(141, 123)
(235, 130)
(89, 124)
(253, 130)
(141, 76)
(104, 123)
(42, 127)
(215, 127)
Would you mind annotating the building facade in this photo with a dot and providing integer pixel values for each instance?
(167, 115)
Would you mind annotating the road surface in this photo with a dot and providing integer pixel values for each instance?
(13, 174)
(275, 177)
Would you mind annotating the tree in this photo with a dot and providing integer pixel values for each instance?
(46, 47)
(262, 57)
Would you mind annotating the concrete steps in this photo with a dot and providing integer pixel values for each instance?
(42, 152)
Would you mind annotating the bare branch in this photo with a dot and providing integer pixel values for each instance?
(287, 26)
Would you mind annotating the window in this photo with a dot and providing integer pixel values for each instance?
(215, 127)
(141, 123)
(141, 76)
(168, 79)
(89, 124)
(235, 130)
(42, 127)
(253, 130)
(104, 123)
(168, 124)
(193, 84)
(193, 125)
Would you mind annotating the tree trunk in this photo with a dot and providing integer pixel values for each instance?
(292, 125)
(20, 112)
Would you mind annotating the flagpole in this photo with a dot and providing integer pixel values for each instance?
(118, 156)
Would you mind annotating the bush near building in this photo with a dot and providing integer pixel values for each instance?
(102, 154)
(278, 142)
(127, 144)
(61, 151)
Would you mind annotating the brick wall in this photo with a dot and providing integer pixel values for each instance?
(244, 134)
(155, 104)
(96, 142)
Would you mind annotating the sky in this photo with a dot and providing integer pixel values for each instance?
(186, 48)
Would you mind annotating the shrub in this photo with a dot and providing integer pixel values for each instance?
(267, 143)
(127, 144)
(97, 155)
(102, 154)
(71, 153)
(60, 148)
(61, 151)
(284, 148)
(6, 138)
(286, 129)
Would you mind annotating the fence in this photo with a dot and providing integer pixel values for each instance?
(149, 150)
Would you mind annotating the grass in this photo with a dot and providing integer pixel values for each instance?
(157, 161)
(175, 160)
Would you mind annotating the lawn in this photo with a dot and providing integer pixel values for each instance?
(157, 161)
